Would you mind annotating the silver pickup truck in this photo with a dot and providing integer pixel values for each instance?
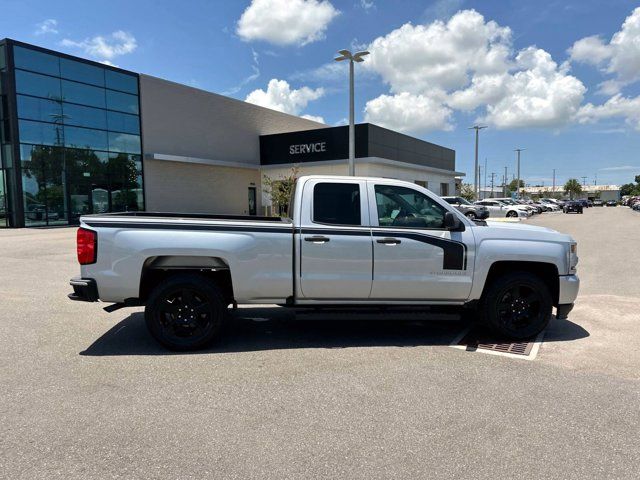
(352, 242)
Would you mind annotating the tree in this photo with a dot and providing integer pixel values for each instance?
(512, 185)
(572, 187)
(280, 190)
(466, 192)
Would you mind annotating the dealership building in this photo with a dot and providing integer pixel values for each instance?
(79, 137)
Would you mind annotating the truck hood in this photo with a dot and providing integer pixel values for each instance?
(520, 231)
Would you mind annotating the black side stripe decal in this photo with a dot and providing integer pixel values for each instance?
(454, 258)
(190, 226)
(455, 253)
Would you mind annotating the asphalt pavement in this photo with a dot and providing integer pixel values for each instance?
(86, 394)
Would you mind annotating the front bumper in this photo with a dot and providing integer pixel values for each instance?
(568, 289)
(84, 290)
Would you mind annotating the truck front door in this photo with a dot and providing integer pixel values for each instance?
(334, 241)
(415, 257)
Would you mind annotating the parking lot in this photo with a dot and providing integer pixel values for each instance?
(86, 394)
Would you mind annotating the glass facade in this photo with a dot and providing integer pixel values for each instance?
(77, 137)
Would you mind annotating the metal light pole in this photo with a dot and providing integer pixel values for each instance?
(356, 57)
(518, 150)
(476, 186)
(553, 189)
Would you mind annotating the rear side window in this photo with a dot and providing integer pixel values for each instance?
(337, 203)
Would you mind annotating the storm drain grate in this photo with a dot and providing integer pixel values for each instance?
(477, 339)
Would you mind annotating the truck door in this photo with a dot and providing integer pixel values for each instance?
(415, 257)
(334, 241)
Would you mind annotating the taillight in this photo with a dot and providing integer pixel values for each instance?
(87, 244)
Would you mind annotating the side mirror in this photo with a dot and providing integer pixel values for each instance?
(452, 222)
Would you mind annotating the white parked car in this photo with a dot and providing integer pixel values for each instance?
(501, 209)
(351, 242)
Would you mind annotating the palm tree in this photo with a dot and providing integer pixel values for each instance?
(572, 187)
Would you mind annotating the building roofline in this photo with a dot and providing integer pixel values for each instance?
(11, 41)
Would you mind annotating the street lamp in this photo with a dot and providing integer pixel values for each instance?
(476, 180)
(356, 57)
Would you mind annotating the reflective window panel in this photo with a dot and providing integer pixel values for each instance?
(81, 116)
(41, 109)
(123, 122)
(77, 137)
(40, 133)
(82, 72)
(38, 85)
(122, 102)
(83, 94)
(36, 61)
(121, 81)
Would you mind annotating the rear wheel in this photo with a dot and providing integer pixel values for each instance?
(185, 312)
(517, 305)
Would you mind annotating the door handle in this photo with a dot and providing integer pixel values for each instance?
(389, 241)
(317, 239)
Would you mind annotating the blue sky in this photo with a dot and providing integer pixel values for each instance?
(558, 78)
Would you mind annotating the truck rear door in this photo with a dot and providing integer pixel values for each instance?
(334, 241)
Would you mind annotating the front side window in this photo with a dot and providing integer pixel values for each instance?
(337, 203)
(405, 207)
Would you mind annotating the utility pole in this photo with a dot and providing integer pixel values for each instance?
(485, 174)
(584, 181)
(476, 180)
(493, 174)
(506, 177)
(518, 150)
(553, 190)
(479, 180)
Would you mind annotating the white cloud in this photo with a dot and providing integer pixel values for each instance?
(621, 168)
(619, 57)
(280, 96)
(617, 106)
(286, 22)
(408, 113)
(105, 47)
(540, 94)
(50, 25)
(367, 5)
(315, 118)
(415, 58)
(468, 63)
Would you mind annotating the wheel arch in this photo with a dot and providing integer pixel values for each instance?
(547, 272)
(158, 268)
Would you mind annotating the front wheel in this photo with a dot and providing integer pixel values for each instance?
(185, 312)
(517, 305)
(471, 215)
(512, 214)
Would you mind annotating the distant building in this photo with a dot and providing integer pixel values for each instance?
(603, 192)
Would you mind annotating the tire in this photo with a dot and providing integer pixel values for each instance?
(185, 312)
(524, 292)
(470, 215)
(512, 214)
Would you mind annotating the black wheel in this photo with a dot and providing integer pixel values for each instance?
(512, 214)
(185, 312)
(517, 305)
(471, 215)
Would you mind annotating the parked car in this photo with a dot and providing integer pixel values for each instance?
(353, 241)
(611, 203)
(598, 203)
(516, 203)
(499, 209)
(470, 210)
(573, 206)
(636, 206)
(584, 202)
(552, 206)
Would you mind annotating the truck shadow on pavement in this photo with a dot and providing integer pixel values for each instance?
(275, 328)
